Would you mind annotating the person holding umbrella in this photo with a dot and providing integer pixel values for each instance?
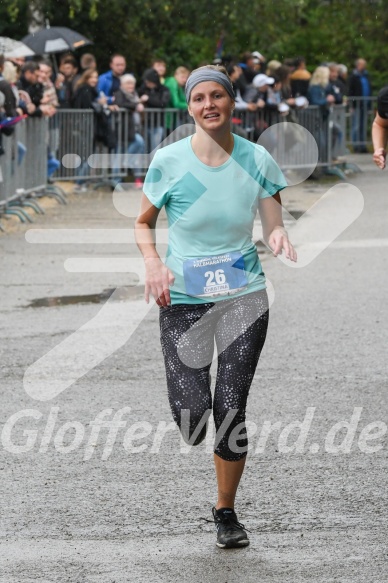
(55, 39)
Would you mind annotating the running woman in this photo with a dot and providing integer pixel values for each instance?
(211, 287)
(380, 129)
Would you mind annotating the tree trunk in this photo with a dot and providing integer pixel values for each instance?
(35, 16)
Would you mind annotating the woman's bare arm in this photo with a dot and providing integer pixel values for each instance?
(380, 139)
(275, 235)
(145, 228)
(158, 276)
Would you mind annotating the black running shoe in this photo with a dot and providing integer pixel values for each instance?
(230, 532)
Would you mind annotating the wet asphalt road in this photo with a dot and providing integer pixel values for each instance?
(73, 509)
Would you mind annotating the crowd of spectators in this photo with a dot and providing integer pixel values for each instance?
(36, 88)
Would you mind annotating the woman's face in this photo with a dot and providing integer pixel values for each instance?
(93, 80)
(211, 106)
(181, 78)
(128, 86)
(160, 68)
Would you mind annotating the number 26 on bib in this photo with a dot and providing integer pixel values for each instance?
(216, 275)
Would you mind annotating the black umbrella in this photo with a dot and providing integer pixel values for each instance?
(55, 39)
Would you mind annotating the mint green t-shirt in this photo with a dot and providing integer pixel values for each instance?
(210, 213)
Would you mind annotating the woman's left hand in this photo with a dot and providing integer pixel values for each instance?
(278, 240)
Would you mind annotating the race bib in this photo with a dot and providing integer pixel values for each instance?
(215, 276)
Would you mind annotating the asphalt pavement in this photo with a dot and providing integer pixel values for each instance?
(95, 484)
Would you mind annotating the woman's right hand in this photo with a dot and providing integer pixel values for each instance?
(158, 280)
(31, 108)
(379, 158)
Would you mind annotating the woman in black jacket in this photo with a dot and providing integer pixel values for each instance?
(86, 97)
(86, 94)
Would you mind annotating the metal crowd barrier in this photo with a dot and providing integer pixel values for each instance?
(78, 143)
(72, 136)
(23, 169)
(78, 140)
(360, 113)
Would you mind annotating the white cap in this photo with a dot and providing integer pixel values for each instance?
(301, 101)
(261, 80)
(283, 108)
(257, 55)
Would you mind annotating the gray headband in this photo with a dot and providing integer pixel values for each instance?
(208, 75)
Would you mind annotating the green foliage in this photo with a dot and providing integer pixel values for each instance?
(187, 31)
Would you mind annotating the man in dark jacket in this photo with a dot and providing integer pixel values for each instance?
(360, 88)
(29, 82)
(155, 96)
(66, 81)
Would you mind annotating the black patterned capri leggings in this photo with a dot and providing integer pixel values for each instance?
(188, 331)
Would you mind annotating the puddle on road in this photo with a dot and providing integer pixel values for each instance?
(129, 292)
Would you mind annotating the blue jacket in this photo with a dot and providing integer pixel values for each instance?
(105, 82)
(317, 95)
